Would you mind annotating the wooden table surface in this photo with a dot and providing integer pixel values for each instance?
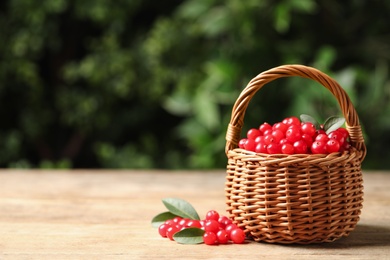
(96, 214)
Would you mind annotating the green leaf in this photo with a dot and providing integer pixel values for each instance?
(306, 118)
(189, 236)
(333, 123)
(161, 218)
(181, 208)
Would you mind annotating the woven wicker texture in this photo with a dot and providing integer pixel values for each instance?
(300, 198)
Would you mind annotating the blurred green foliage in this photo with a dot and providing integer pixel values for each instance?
(151, 84)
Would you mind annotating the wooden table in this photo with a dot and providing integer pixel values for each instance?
(98, 214)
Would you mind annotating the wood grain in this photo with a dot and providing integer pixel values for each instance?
(96, 214)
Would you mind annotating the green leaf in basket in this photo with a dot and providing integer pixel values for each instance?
(189, 236)
(161, 218)
(180, 208)
(306, 118)
(333, 123)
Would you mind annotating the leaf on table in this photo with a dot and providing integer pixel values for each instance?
(189, 236)
(180, 208)
(161, 218)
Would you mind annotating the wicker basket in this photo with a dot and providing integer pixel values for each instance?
(300, 198)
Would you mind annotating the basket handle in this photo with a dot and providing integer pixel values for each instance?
(241, 104)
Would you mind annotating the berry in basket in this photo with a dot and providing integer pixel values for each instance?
(298, 136)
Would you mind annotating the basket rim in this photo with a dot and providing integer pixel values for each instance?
(295, 159)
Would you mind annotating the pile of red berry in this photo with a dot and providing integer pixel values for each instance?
(216, 229)
(293, 136)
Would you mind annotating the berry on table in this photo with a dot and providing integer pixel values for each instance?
(230, 227)
(211, 225)
(194, 223)
(222, 236)
(212, 215)
(237, 236)
(224, 221)
(162, 229)
(210, 238)
(172, 230)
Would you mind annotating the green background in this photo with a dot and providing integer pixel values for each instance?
(151, 84)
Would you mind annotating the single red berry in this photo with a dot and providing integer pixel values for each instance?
(295, 121)
(267, 132)
(278, 135)
(171, 231)
(308, 139)
(237, 236)
(253, 133)
(241, 143)
(260, 139)
(261, 148)
(318, 147)
(222, 236)
(308, 128)
(162, 229)
(250, 145)
(300, 147)
(212, 215)
(269, 139)
(265, 126)
(322, 138)
(280, 126)
(293, 133)
(274, 148)
(332, 146)
(287, 148)
(211, 225)
(210, 238)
